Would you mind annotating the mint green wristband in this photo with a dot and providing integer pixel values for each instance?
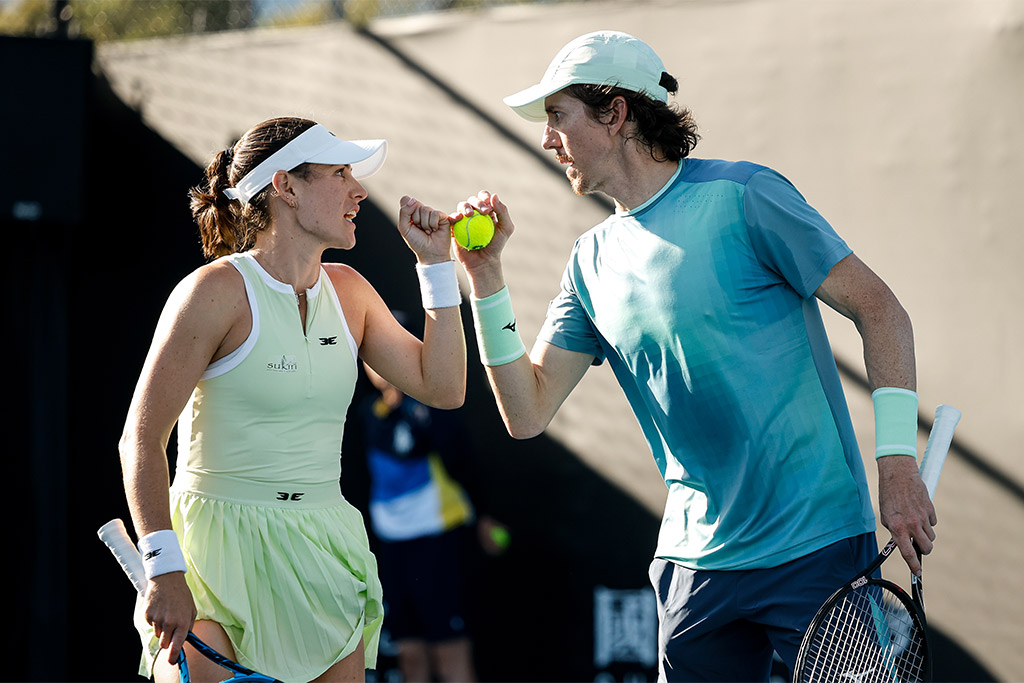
(496, 334)
(895, 421)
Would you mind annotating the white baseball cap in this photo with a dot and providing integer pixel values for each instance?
(317, 145)
(599, 58)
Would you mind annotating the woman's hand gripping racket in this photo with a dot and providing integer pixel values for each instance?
(113, 533)
(870, 630)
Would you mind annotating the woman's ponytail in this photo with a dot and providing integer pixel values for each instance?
(221, 228)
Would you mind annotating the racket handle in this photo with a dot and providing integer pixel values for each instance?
(946, 419)
(116, 537)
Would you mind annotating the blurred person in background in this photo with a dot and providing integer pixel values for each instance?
(425, 509)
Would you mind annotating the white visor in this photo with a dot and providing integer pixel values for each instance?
(314, 146)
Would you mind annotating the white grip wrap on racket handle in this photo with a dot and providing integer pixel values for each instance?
(115, 536)
(939, 440)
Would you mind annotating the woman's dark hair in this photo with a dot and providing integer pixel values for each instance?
(227, 226)
(667, 132)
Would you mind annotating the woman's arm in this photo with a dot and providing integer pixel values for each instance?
(198, 323)
(433, 370)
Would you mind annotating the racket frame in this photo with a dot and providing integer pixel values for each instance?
(866, 578)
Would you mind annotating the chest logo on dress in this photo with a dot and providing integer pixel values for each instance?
(328, 341)
(283, 364)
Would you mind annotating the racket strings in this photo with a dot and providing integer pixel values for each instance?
(869, 636)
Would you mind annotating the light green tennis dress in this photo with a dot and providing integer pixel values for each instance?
(275, 554)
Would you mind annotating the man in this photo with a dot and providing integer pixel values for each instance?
(700, 291)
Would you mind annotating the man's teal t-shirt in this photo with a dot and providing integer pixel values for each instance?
(702, 301)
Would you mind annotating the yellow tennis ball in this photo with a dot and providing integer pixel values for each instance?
(474, 232)
(501, 537)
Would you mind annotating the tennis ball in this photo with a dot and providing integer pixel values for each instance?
(501, 537)
(474, 232)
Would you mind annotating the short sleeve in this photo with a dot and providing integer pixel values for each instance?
(788, 235)
(567, 324)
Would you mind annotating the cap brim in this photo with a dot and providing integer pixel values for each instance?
(529, 103)
(364, 156)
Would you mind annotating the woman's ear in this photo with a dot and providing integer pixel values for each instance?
(284, 187)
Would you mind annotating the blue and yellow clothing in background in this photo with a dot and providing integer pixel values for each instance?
(412, 494)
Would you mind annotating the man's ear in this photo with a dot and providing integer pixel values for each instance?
(616, 114)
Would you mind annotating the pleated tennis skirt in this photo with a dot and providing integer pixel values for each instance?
(296, 590)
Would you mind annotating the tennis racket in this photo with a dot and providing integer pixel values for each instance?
(870, 630)
(113, 533)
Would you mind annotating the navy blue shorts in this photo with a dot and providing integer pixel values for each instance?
(726, 625)
(423, 581)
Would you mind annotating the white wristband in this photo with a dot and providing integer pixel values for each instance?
(161, 553)
(439, 286)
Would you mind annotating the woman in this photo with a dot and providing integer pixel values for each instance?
(255, 358)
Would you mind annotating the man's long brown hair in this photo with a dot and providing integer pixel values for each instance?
(667, 132)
